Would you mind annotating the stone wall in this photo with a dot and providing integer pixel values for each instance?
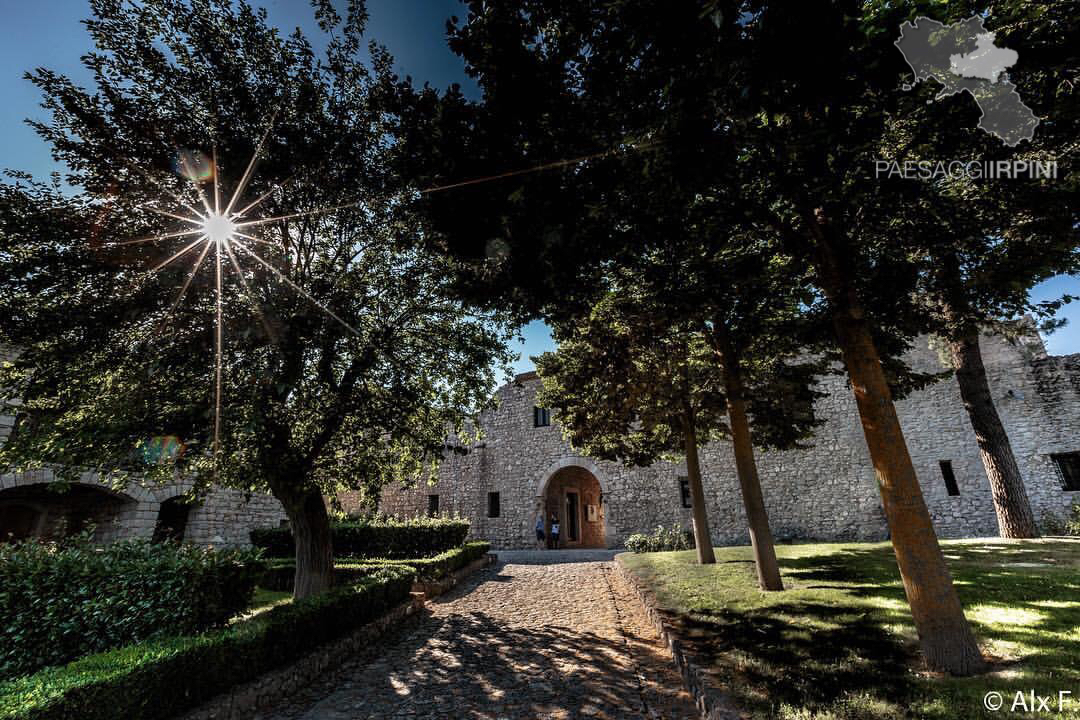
(223, 517)
(825, 492)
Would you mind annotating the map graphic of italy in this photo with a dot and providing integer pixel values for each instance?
(963, 57)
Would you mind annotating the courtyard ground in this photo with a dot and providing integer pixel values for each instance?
(537, 635)
(839, 643)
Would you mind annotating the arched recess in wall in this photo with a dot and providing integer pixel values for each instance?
(52, 511)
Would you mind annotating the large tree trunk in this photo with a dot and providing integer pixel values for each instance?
(702, 536)
(314, 552)
(761, 538)
(1014, 516)
(945, 636)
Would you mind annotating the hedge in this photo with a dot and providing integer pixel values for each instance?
(163, 678)
(438, 567)
(662, 539)
(279, 576)
(386, 538)
(59, 603)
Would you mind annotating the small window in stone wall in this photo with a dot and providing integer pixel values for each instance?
(541, 417)
(949, 476)
(172, 520)
(432, 505)
(684, 492)
(1068, 469)
(493, 505)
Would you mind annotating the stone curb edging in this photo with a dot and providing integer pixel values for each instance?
(267, 690)
(438, 587)
(713, 703)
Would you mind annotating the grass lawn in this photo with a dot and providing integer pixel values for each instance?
(268, 598)
(264, 600)
(839, 641)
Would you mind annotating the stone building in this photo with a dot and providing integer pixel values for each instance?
(523, 466)
(32, 505)
(826, 492)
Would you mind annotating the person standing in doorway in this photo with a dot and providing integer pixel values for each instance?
(540, 531)
(554, 532)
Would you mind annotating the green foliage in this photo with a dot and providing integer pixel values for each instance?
(1053, 524)
(58, 603)
(347, 356)
(163, 678)
(388, 537)
(662, 539)
(441, 565)
(279, 574)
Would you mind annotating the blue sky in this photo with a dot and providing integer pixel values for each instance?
(48, 33)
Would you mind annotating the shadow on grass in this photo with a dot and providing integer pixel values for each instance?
(804, 654)
(840, 642)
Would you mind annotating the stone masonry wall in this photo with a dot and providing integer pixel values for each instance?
(825, 492)
(223, 517)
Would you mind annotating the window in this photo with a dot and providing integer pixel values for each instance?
(684, 492)
(493, 504)
(1068, 468)
(541, 417)
(432, 505)
(172, 520)
(950, 477)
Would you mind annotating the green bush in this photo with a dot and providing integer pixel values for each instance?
(438, 567)
(163, 678)
(1052, 524)
(58, 603)
(385, 537)
(279, 576)
(661, 539)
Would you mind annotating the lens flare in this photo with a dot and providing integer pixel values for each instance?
(223, 230)
(194, 165)
(218, 228)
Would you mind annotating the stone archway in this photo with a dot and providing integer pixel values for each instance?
(572, 490)
(114, 513)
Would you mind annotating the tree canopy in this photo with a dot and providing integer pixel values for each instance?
(345, 358)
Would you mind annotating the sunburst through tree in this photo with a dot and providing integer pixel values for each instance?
(220, 231)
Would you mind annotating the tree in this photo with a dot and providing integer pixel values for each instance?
(793, 141)
(814, 127)
(684, 339)
(344, 359)
(986, 244)
(629, 385)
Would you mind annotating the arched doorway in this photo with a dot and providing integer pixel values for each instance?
(574, 496)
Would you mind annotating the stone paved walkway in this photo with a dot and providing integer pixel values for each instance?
(516, 640)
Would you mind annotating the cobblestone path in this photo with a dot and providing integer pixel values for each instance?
(513, 641)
